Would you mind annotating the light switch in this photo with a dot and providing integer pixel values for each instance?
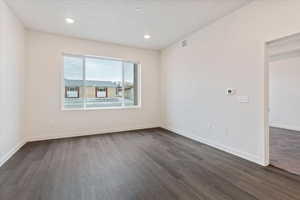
(243, 99)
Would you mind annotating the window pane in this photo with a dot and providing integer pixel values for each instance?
(130, 84)
(103, 85)
(73, 80)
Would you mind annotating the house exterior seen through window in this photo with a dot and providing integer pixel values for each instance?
(92, 82)
(101, 92)
(71, 92)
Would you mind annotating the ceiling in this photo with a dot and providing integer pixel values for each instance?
(123, 21)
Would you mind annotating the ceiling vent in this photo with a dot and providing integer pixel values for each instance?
(184, 43)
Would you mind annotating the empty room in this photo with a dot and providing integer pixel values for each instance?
(149, 100)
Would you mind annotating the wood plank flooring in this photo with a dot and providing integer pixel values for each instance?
(138, 165)
(285, 149)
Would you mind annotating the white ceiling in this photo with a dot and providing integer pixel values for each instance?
(117, 21)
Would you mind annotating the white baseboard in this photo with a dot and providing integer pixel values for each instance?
(9, 154)
(78, 133)
(244, 155)
(284, 126)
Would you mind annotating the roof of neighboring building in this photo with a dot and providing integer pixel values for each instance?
(79, 83)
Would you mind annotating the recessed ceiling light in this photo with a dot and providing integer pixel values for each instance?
(69, 20)
(138, 9)
(147, 36)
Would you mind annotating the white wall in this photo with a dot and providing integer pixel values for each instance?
(11, 83)
(227, 53)
(45, 119)
(285, 93)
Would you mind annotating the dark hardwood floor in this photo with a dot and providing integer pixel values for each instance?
(285, 149)
(147, 164)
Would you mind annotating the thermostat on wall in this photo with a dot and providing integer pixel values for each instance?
(230, 91)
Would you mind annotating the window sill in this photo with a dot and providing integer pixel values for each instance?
(101, 108)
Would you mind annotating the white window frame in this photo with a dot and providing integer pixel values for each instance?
(62, 85)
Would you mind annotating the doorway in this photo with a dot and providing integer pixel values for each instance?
(283, 62)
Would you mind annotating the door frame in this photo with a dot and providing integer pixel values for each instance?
(266, 106)
(266, 111)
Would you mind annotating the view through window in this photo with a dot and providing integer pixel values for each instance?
(92, 82)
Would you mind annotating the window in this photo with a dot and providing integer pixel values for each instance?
(71, 92)
(101, 92)
(93, 82)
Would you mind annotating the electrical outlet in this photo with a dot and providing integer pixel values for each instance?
(226, 131)
(51, 123)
